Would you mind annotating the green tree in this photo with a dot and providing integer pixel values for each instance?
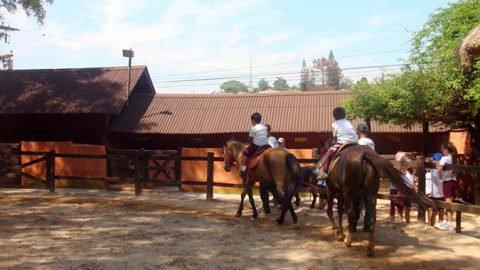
(262, 85)
(304, 76)
(234, 87)
(280, 84)
(31, 7)
(434, 87)
(333, 72)
(320, 68)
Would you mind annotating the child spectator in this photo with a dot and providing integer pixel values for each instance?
(407, 176)
(435, 186)
(449, 180)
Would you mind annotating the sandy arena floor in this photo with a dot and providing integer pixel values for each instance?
(167, 229)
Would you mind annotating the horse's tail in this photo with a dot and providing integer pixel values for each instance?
(386, 169)
(294, 166)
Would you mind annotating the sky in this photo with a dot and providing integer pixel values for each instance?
(192, 46)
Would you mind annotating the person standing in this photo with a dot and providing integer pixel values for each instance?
(449, 181)
(436, 191)
(265, 188)
(363, 139)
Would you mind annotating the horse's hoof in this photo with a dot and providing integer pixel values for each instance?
(238, 215)
(253, 218)
(279, 221)
(347, 243)
(296, 226)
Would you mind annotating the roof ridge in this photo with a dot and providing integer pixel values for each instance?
(76, 69)
(249, 95)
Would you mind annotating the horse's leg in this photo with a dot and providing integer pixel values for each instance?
(314, 195)
(252, 201)
(372, 201)
(292, 212)
(340, 208)
(242, 198)
(351, 219)
(297, 199)
(330, 197)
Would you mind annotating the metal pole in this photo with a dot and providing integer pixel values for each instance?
(129, 77)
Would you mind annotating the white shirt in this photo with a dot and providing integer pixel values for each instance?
(367, 141)
(428, 183)
(437, 185)
(344, 131)
(259, 134)
(408, 179)
(272, 141)
(446, 175)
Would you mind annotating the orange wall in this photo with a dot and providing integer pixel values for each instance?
(197, 170)
(66, 166)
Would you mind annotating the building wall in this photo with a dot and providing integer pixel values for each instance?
(79, 128)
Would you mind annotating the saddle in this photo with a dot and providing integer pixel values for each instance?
(335, 158)
(253, 161)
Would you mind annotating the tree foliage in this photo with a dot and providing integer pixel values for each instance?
(261, 85)
(280, 84)
(434, 86)
(234, 87)
(35, 8)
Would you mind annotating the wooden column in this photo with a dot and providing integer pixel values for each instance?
(50, 171)
(178, 168)
(139, 168)
(210, 175)
(421, 185)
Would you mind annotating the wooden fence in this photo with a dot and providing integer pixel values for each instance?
(142, 157)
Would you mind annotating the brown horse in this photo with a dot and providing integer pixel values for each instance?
(309, 179)
(357, 173)
(277, 166)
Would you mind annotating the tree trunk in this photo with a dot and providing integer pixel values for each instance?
(425, 138)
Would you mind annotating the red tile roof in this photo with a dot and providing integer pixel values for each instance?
(289, 112)
(60, 91)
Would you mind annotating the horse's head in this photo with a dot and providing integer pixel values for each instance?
(231, 151)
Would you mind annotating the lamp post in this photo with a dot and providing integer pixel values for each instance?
(130, 54)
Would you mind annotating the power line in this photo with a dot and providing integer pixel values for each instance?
(225, 77)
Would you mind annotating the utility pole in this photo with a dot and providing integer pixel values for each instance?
(130, 54)
(250, 74)
(6, 58)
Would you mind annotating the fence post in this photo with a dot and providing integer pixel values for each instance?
(421, 185)
(210, 176)
(50, 170)
(178, 168)
(138, 172)
(458, 222)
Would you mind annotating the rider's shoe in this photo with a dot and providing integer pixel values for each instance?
(321, 174)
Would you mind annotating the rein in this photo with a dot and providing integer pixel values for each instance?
(310, 185)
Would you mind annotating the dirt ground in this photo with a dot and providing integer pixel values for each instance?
(167, 229)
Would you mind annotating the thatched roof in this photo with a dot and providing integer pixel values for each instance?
(470, 46)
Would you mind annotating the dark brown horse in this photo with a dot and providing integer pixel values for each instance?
(357, 173)
(309, 179)
(277, 166)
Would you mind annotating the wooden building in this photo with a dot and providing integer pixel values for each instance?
(75, 105)
(164, 121)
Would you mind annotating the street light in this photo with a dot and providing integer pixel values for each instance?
(130, 54)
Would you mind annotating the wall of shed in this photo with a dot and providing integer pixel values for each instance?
(79, 128)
